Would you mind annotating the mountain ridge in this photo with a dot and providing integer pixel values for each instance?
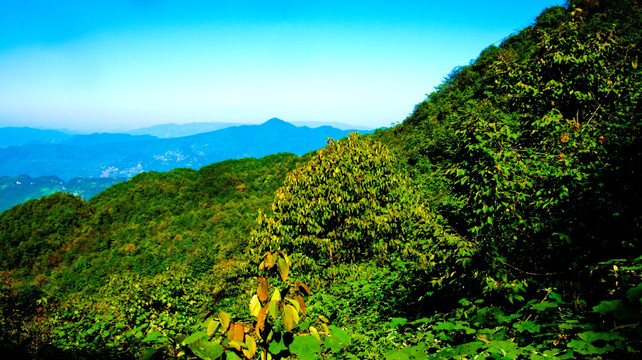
(102, 155)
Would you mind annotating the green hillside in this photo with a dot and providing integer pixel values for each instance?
(500, 220)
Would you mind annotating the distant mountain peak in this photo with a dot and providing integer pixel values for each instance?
(277, 122)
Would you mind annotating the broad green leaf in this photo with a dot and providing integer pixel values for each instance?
(417, 352)
(148, 354)
(529, 326)
(207, 350)
(544, 305)
(557, 297)
(276, 347)
(397, 355)
(337, 339)
(607, 307)
(397, 321)
(195, 336)
(585, 348)
(306, 347)
(634, 295)
(152, 336)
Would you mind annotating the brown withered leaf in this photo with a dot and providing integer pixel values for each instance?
(261, 317)
(262, 290)
(301, 302)
(303, 287)
(270, 260)
(237, 332)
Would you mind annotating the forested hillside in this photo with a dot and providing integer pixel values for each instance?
(500, 220)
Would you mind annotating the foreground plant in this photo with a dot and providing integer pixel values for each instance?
(276, 330)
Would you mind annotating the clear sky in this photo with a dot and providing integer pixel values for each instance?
(118, 65)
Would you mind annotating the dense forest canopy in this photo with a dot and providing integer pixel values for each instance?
(500, 220)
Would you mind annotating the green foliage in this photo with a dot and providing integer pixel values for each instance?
(116, 256)
(500, 220)
(352, 203)
(342, 206)
(533, 149)
(32, 234)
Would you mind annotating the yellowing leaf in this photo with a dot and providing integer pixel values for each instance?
(237, 344)
(289, 316)
(255, 306)
(285, 257)
(273, 307)
(270, 260)
(276, 295)
(224, 318)
(251, 347)
(262, 290)
(295, 303)
(284, 269)
(212, 326)
(314, 332)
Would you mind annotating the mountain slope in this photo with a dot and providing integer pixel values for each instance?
(17, 136)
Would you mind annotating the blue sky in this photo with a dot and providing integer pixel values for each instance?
(117, 65)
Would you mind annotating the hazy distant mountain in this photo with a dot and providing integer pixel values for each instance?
(122, 155)
(106, 138)
(18, 189)
(165, 131)
(16, 136)
(338, 125)
(174, 130)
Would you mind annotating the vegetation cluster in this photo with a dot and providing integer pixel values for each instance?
(500, 220)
